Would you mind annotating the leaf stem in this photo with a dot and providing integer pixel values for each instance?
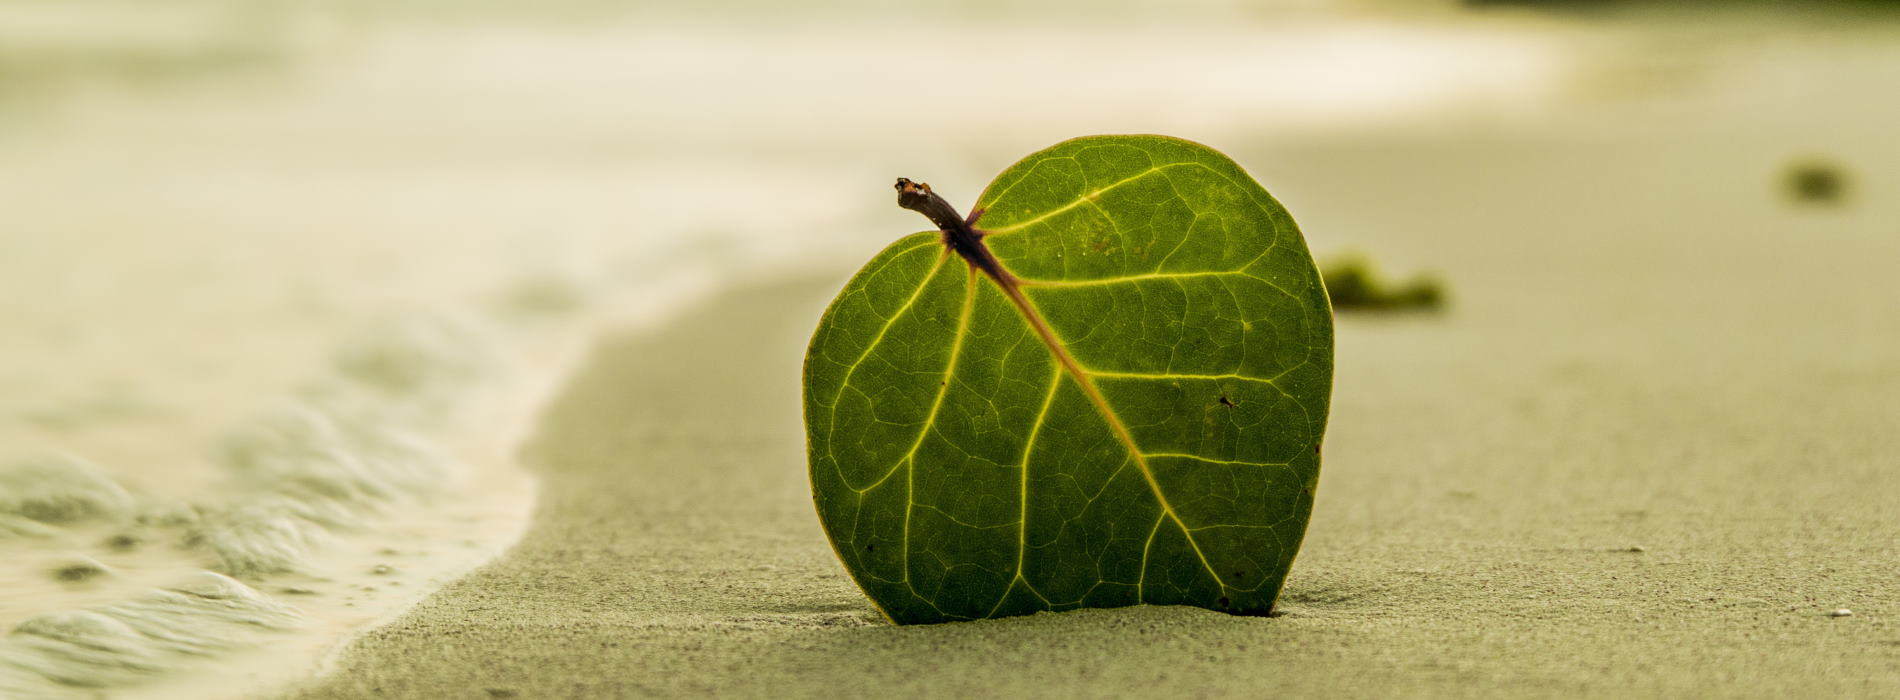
(959, 234)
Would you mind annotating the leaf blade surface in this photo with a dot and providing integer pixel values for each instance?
(1132, 416)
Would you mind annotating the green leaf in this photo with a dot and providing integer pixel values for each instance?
(1128, 410)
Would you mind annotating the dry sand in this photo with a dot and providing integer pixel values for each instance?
(1501, 512)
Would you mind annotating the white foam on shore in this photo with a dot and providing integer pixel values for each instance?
(52, 489)
(351, 448)
(369, 440)
(341, 505)
(59, 653)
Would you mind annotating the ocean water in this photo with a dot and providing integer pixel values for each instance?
(283, 286)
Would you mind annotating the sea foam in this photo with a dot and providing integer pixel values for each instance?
(128, 641)
(354, 444)
(57, 489)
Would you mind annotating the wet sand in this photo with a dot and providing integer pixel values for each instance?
(1502, 512)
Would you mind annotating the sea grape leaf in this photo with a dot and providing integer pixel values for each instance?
(1108, 389)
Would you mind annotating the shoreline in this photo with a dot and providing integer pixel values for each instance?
(334, 510)
(394, 470)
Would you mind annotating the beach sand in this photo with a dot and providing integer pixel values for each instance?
(1496, 517)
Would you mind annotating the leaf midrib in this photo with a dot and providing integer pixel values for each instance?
(1033, 316)
(1011, 288)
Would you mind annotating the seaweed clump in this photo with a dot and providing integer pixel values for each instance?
(1355, 284)
(1816, 181)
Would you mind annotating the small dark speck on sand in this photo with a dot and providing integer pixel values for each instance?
(501, 693)
(382, 570)
(1841, 612)
(1637, 548)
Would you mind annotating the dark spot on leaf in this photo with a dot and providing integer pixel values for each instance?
(870, 548)
(1315, 448)
(1224, 401)
(1223, 601)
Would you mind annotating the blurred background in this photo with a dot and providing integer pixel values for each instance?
(198, 198)
(197, 195)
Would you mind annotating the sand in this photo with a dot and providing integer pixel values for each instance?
(1492, 521)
